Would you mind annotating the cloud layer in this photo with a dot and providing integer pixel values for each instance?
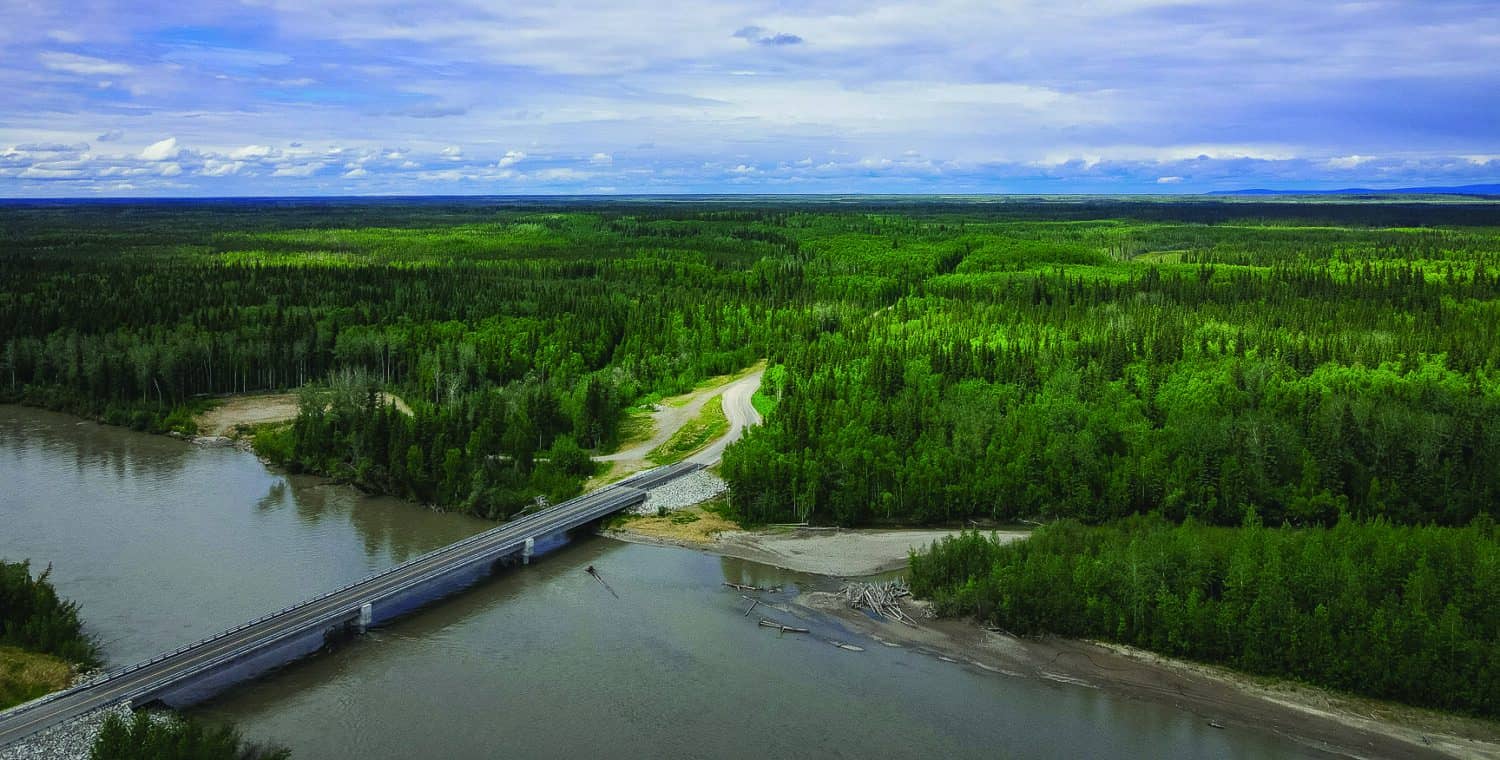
(458, 96)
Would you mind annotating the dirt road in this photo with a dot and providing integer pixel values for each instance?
(672, 414)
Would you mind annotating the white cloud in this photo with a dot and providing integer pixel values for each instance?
(601, 159)
(561, 174)
(161, 150)
(357, 171)
(82, 64)
(298, 170)
(217, 168)
(1347, 162)
(511, 158)
(251, 151)
(1170, 180)
(33, 172)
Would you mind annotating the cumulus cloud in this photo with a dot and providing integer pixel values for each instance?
(1169, 180)
(252, 151)
(511, 158)
(601, 159)
(160, 150)
(220, 168)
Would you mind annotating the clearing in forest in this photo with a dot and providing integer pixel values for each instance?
(654, 431)
(259, 409)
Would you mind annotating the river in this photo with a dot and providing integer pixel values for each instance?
(162, 542)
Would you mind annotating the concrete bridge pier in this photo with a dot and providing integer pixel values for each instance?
(528, 551)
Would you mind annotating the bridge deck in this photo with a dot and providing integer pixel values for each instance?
(320, 613)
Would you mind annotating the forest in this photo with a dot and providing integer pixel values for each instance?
(1222, 410)
(1398, 612)
(933, 361)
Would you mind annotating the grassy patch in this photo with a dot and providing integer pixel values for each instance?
(707, 426)
(694, 525)
(24, 675)
(635, 428)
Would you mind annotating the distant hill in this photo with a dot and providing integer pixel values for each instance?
(1492, 189)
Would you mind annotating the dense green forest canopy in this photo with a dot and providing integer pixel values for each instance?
(934, 359)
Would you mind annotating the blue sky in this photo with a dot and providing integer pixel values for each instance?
(289, 97)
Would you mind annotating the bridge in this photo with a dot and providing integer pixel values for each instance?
(197, 671)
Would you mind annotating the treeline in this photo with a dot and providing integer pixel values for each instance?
(1404, 613)
(490, 454)
(33, 617)
(516, 344)
(939, 361)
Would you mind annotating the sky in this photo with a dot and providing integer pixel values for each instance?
(456, 97)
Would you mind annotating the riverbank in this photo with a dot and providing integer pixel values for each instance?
(1320, 720)
(831, 552)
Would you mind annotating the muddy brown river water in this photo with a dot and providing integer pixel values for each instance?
(162, 542)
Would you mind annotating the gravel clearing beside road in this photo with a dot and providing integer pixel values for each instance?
(682, 493)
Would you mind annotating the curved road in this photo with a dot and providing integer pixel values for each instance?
(741, 414)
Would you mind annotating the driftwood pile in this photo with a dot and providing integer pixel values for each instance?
(883, 599)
